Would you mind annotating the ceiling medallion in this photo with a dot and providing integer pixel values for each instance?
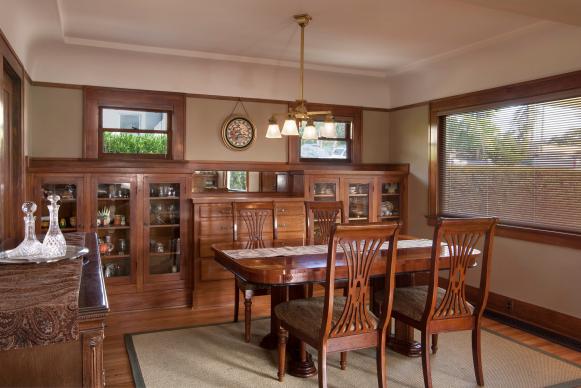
(300, 112)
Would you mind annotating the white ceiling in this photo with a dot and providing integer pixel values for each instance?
(370, 37)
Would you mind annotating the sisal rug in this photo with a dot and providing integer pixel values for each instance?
(217, 356)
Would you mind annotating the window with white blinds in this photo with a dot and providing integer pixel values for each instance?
(520, 163)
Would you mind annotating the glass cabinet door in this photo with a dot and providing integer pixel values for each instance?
(164, 239)
(113, 220)
(389, 206)
(70, 191)
(359, 203)
(325, 189)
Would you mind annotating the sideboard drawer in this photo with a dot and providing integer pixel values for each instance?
(216, 210)
(216, 227)
(291, 223)
(211, 270)
(289, 208)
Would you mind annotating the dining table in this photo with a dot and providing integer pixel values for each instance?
(289, 267)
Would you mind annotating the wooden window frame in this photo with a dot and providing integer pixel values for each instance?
(353, 145)
(96, 98)
(546, 89)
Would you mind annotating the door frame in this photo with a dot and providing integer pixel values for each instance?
(11, 66)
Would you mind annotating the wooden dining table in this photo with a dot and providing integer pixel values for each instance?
(289, 266)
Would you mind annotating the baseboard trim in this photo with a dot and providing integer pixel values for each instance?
(534, 329)
(552, 325)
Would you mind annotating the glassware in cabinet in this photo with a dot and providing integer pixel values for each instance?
(68, 212)
(113, 224)
(359, 202)
(164, 247)
(325, 190)
(390, 201)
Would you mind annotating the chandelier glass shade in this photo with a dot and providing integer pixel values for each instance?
(300, 111)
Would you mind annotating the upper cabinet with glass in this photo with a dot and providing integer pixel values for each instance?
(135, 132)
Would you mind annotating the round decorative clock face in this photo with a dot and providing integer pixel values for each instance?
(238, 132)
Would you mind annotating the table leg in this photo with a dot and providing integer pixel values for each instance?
(277, 295)
(300, 361)
(403, 339)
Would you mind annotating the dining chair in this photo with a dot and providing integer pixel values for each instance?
(320, 218)
(339, 324)
(252, 216)
(432, 309)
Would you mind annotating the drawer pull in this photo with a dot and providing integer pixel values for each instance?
(282, 225)
(282, 210)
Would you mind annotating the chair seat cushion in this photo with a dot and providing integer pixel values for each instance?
(411, 301)
(305, 316)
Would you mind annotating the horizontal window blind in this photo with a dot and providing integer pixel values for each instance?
(519, 163)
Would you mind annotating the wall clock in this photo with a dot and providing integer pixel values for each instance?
(238, 132)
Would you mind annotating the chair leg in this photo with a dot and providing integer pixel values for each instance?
(343, 360)
(477, 355)
(380, 359)
(323, 368)
(282, 340)
(247, 313)
(236, 300)
(434, 343)
(426, 359)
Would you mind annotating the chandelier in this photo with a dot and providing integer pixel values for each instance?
(300, 113)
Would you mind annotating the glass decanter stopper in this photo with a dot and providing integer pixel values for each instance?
(30, 246)
(54, 244)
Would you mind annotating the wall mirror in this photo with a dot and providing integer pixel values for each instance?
(240, 181)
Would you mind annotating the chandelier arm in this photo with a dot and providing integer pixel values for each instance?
(319, 113)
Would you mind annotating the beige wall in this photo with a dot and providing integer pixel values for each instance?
(204, 119)
(375, 145)
(409, 143)
(544, 275)
(55, 122)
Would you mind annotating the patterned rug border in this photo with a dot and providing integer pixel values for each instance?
(140, 382)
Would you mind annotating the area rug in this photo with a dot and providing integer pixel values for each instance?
(217, 356)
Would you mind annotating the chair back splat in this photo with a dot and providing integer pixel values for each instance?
(462, 237)
(254, 216)
(358, 246)
(321, 217)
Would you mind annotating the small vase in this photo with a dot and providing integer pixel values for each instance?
(54, 244)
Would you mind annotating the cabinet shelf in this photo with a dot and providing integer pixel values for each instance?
(324, 195)
(113, 199)
(64, 230)
(114, 257)
(389, 217)
(358, 218)
(113, 227)
(164, 198)
(358, 195)
(390, 194)
(164, 225)
(164, 253)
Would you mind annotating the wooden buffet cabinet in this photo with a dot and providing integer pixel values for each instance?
(161, 225)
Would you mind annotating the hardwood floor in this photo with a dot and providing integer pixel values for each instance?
(118, 370)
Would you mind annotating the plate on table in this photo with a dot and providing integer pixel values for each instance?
(73, 252)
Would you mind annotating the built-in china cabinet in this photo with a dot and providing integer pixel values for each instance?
(156, 221)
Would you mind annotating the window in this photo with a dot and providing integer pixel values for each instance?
(520, 162)
(134, 132)
(345, 149)
(131, 124)
(336, 148)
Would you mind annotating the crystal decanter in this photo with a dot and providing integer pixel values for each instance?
(30, 246)
(54, 244)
